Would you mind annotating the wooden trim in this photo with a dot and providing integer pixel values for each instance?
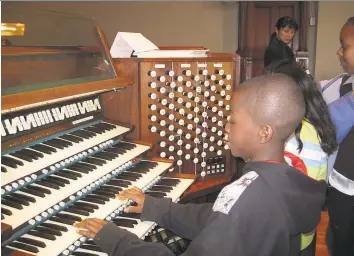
(27, 98)
(43, 50)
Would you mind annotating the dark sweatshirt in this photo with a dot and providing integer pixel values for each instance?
(277, 50)
(262, 213)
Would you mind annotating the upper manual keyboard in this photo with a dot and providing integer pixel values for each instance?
(20, 167)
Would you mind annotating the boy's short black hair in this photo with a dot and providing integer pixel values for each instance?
(275, 100)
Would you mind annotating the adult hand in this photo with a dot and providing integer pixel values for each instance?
(135, 194)
(90, 227)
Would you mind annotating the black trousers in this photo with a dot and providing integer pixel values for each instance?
(341, 218)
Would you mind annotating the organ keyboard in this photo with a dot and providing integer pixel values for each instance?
(62, 160)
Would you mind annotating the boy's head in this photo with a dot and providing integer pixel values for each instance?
(346, 50)
(265, 111)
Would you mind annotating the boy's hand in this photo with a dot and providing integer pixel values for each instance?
(135, 194)
(90, 227)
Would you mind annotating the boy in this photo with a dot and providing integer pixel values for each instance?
(262, 213)
(338, 93)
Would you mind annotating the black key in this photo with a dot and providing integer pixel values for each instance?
(79, 169)
(48, 231)
(156, 194)
(16, 200)
(103, 156)
(22, 156)
(93, 129)
(120, 183)
(24, 197)
(112, 189)
(63, 142)
(82, 208)
(71, 138)
(130, 174)
(86, 165)
(97, 197)
(125, 222)
(42, 235)
(93, 200)
(93, 206)
(114, 155)
(68, 216)
(161, 188)
(6, 211)
(24, 247)
(168, 182)
(91, 247)
(48, 184)
(55, 226)
(127, 178)
(75, 210)
(73, 173)
(94, 161)
(132, 215)
(119, 151)
(3, 169)
(2, 217)
(44, 148)
(43, 190)
(66, 175)
(31, 241)
(32, 192)
(125, 145)
(11, 162)
(58, 180)
(108, 125)
(11, 204)
(103, 193)
(53, 144)
(83, 134)
(61, 220)
(83, 254)
(32, 153)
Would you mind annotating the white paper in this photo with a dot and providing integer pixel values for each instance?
(125, 43)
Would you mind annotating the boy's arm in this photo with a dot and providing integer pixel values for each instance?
(186, 220)
(342, 115)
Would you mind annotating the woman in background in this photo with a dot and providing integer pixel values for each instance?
(278, 48)
(315, 139)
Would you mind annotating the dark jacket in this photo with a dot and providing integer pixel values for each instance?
(277, 50)
(262, 213)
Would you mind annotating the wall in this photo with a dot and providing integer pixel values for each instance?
(331, 17)
(209, 24)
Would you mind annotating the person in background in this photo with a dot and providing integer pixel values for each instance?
(251, 216)
(338, 93)
(315, 139)
(278, 48)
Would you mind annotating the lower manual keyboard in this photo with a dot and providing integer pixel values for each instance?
(69, 240)
(102, 208)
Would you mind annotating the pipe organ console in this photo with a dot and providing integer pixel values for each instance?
(62, 159)
(182, 107)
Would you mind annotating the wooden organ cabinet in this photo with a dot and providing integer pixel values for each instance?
(181, 105)
(62, 160)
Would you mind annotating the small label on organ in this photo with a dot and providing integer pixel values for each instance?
(160, 66)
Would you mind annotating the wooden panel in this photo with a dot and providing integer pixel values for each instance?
(132, 105)
(22, 99)
(257, 22)
(264, 28)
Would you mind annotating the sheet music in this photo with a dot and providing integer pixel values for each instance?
(125, 43)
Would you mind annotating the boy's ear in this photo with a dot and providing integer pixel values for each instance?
(265, 134)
